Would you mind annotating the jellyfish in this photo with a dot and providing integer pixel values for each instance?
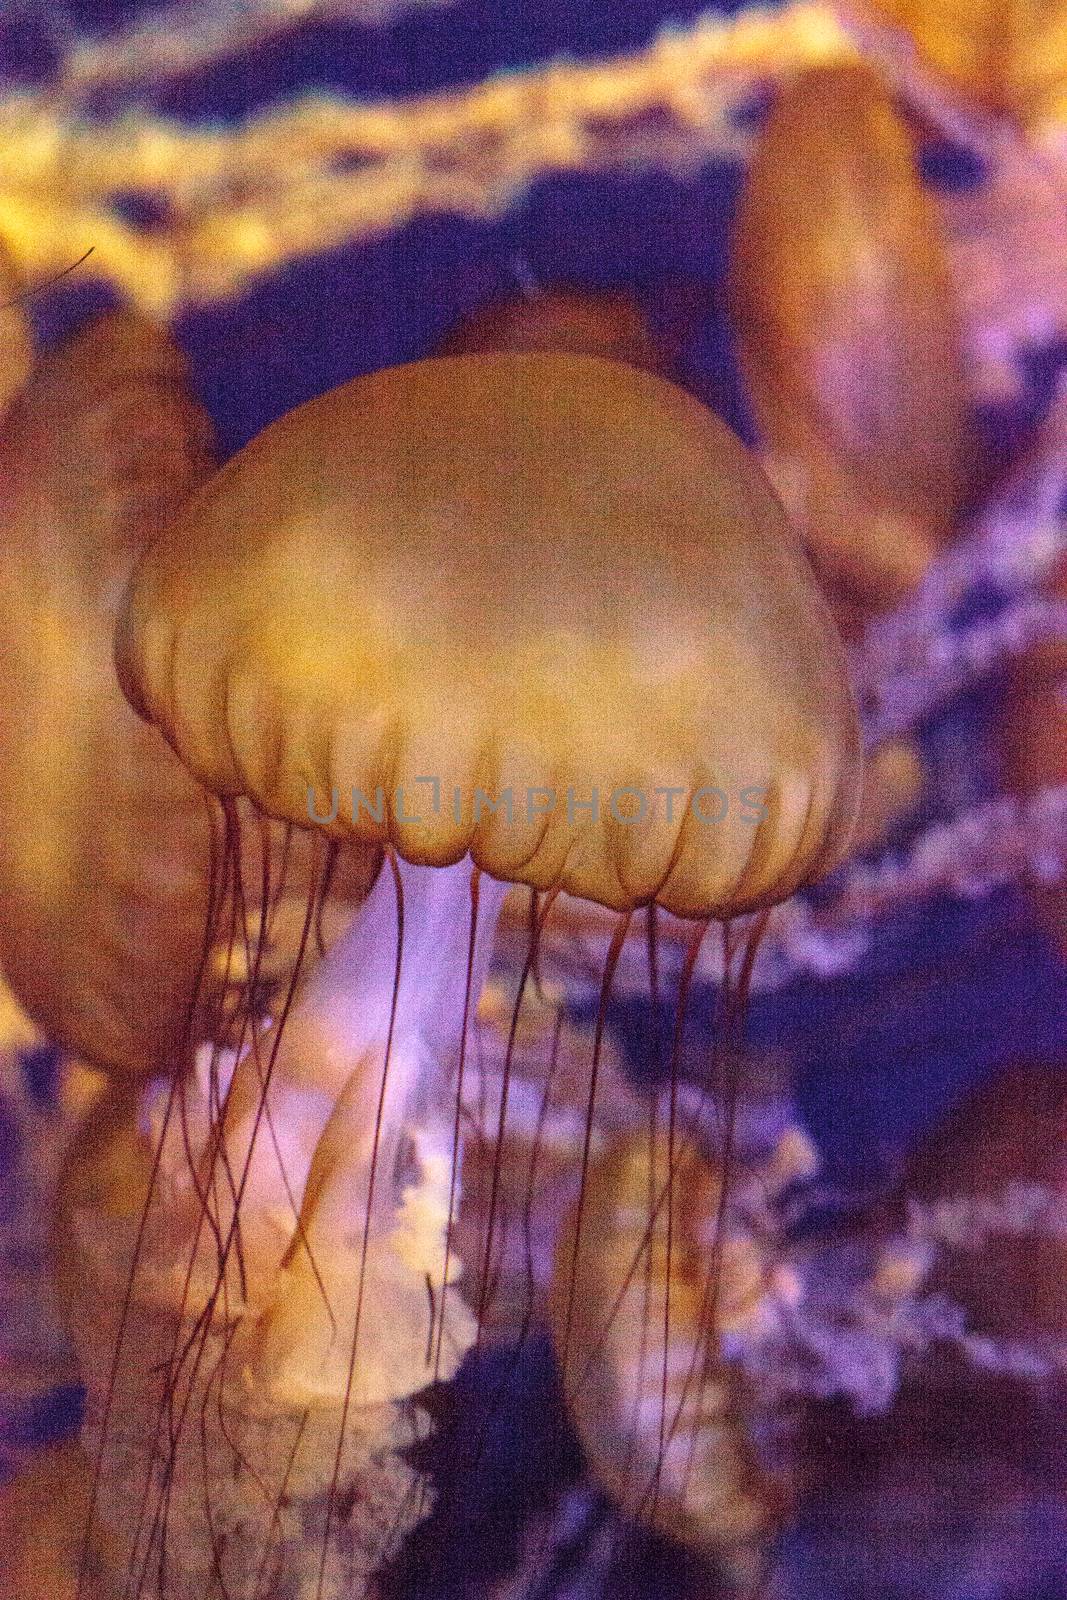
(848, 337)
(512, 619)
(1011, 59)
(83, 492)
(672, 1265)
(608, 324)
(106, 875)
(892, 789)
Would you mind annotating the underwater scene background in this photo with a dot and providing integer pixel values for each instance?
(912, 1019)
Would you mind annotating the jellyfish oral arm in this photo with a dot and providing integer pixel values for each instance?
(286, 1297)
(401, 982)
(401, 969)
(327, 1136)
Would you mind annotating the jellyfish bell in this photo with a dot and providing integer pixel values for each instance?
(847, 334)
(656, 1272)
(605, 323)
(566, 566)
(106, 875)
(103, 443)
(1011, 59)
(511, 619)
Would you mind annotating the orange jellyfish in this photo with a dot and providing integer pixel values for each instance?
(848, 337)
(106, 875)
(658, 1268)
(1009, 57)
(101, 447)
(585, 322)
(515, 619)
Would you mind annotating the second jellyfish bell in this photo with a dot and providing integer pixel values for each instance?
(848, 337)
(1010, 58)
(103, 903)
(610, 324)
(112, 852)
(654, 1273)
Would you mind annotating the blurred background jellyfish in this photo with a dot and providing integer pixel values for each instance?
(663, 1270)
(611, 325)
(718, 1297)
(108, 878)
(1012, 62)
(103, 913)
(848, 335)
